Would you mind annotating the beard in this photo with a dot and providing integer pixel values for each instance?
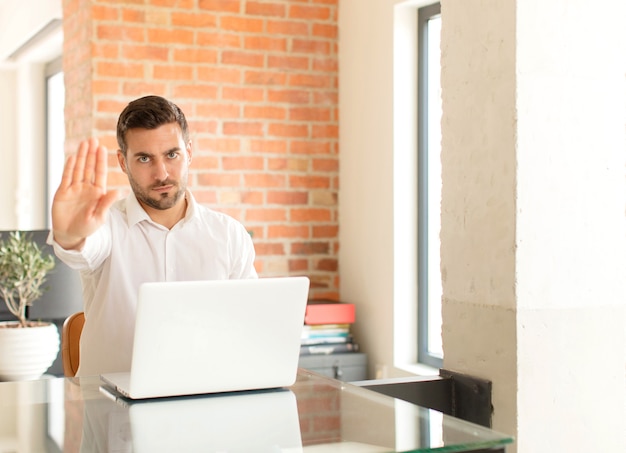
(164, 200)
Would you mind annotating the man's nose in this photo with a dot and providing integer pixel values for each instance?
(160, 171)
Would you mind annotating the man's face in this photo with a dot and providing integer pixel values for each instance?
(157, 165)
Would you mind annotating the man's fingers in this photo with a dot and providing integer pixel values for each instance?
(90, 162)
(68, 170)
(104, 204)
(79, 167)
(101, 168)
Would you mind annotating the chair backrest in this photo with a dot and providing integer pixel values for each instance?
(70, 343)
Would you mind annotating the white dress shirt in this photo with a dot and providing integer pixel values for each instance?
(130, 249)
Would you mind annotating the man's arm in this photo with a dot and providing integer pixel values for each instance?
(82, 201)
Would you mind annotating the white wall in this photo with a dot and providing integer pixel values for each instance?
(22, 109)
(377, 75)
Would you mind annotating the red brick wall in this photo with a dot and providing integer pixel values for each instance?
(257, 81)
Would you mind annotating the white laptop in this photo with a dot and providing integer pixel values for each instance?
(214, 336)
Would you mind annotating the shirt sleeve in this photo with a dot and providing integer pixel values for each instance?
(95, 250)
(243, 255)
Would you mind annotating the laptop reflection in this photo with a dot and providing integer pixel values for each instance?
(259, 421)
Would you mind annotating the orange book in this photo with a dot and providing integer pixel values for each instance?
(328, 312)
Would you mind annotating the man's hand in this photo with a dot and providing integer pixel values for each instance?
(81, 202)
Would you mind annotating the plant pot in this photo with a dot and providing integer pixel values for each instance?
(26, 353)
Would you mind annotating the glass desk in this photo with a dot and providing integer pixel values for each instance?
(315, 415)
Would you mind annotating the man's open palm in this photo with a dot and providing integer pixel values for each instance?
(81, 202)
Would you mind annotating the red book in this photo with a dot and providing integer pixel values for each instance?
(328, 312)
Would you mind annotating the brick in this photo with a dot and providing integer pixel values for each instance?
(267, 180)
(169, 37)
(111, 106)
(120, 33)
(326, 97)
(309, 181)
(323, 198)
(217, 110)
(266, 215)
(243, 163)
(221, 40)
(287, 231)
(298, 266)
(121, 70)
(205, 196)
(327, 264)
(325, 231)
(243, 128)
(145, 52)
(172, 72)
(301, 165)
(325, 65)
(241, 24)
(325, 131)
(267, 43)
(198, 91)
(100, 13)
(288, 62)
(266, 9)
(264, 78)
(325, 31)
(287, 27)
(264, 112)
(231, 6)
(310, 248)
(310, 215)
(310, 81)
(309, 12)
(268, 146)
(219, 179)
(219, 75)
(325, 164)
(133, 15)
(269, 248)
(203, 162)
(195, 55)
(194, 20)
(242, 94)
(311, 46)
(105, 87)
(243, 58)
(287, 198)
(253, 198)
(289, 96)
(309, 114)
(136, 89)
(288, 130)
(219, 145)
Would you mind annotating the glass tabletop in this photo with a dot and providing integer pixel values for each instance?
(315, 415)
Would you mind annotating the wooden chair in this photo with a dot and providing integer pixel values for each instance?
(70, 343)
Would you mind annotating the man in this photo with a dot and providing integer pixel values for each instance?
(157, 233)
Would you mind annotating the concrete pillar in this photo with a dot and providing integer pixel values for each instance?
(533, 226)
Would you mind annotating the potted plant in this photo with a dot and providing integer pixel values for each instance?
(27, 348)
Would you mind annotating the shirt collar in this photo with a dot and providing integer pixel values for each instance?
(135, 213)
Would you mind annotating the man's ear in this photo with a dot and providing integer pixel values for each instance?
(189, 152)
(121, 160)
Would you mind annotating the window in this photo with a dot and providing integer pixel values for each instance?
(430, 348)
(55, 131)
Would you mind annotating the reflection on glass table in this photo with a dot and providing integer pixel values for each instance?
(316, 414)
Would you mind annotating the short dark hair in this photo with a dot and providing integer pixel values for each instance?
(149, 112)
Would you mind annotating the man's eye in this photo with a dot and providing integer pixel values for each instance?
(172, 155)
(143, 159)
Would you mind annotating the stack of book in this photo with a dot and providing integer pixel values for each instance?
(327, 328)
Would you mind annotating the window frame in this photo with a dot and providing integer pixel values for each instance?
(424, 355)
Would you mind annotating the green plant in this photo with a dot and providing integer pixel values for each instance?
(23, 270)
